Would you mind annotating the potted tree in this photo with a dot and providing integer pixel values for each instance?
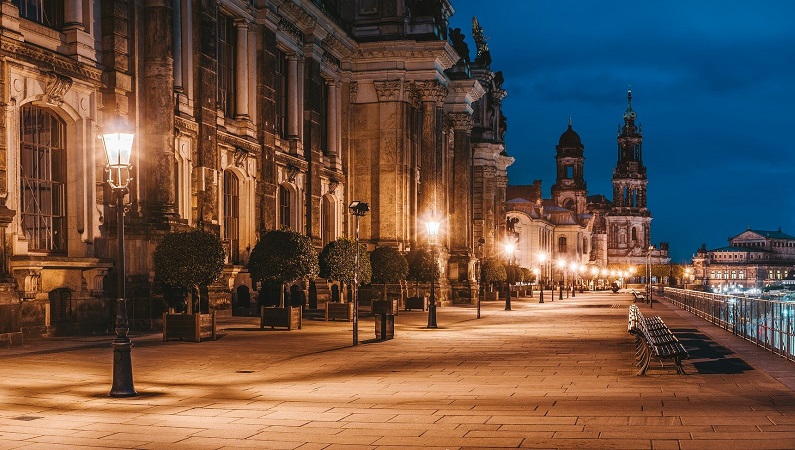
(492, 271)
(421, 270)
(185, 262)
(388, 266)
(282, 256)
(338, 263)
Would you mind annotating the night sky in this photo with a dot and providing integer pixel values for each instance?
(712, 85)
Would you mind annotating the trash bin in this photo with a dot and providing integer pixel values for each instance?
(384, 326)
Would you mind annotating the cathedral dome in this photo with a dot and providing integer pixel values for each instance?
(570, 138)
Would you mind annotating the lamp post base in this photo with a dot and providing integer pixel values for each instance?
(541, 297)
(508, 300)
(432, 314)
(122, 369)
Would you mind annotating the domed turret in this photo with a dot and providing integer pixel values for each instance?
(569, 138)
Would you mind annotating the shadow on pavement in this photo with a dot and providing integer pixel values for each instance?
(707, 356)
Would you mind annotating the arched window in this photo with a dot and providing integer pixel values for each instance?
(232, 215)
(634, 234)
(568, 204)
(562, 245)
(284, 208)
(42, 179)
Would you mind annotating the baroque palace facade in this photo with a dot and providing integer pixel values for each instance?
(249, 115)
(581, 229)
(754, 259)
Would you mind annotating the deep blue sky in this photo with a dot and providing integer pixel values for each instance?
(712, 84)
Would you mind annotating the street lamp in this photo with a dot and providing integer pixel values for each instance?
(509, 249)
(648, 279)
(542, 257)
(562, 267)
(433, 231)
(118, 150)
(573, 279)
(358, 209)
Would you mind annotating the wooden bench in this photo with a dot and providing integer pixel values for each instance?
(654, 339)
(637, 297)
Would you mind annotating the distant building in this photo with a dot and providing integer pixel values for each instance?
(588, 229)
(753, 259)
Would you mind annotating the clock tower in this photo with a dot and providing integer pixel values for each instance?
(569, 190)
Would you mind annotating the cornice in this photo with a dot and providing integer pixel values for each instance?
(238, 142)
(63, 65)
(186, 126)
(440, 51)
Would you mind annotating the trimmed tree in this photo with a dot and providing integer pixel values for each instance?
(189, 260)
(492, 271)
(338, 262)
(421, 267)
(281, 256)
(388, 266)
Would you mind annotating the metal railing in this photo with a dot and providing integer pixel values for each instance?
(769, 324)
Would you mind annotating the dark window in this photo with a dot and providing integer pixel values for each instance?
(634, 234)
(284, 208)
(46, 12)
(226, 65)
(327, 217)
(232, 215)
(562, 245)
(60, 306)
(43, 179)
(324, 116)
(280, 94)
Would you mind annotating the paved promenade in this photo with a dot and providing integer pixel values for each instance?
(552, 375)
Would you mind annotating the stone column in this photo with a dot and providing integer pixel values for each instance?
(73, 13)
(176, 25)
(432, 94)
(462, 256)
(241, 70)
(332, 120)
(157, 158)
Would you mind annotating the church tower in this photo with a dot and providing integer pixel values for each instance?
(569, 190)
(629, 221)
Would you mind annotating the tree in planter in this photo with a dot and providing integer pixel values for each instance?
(388, 266)
(281, 256)
(422, 267)
(338, 263)
(188, 261)
(492, 271)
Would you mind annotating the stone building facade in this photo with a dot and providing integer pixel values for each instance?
(582, 229)
(249, 115)
(754, 259)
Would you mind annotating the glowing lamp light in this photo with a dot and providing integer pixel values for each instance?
(432, 228)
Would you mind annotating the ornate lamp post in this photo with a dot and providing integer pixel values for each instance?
(358, 209)
(118, 149)
(509, 251)
(433, 231)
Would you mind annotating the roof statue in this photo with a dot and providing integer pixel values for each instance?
(461, 47)
(483, 55)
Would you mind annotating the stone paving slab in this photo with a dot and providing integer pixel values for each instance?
(552, 375)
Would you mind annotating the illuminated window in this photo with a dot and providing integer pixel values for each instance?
(43, 179)
(284, 208)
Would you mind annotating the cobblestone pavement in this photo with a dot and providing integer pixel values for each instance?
(553, 375)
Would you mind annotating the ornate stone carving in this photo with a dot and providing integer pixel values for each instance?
(330, 60)
(57, 86)
(460, 121)
(431, 91)
(236, 141)
(292, 172)
(353, 91)
(51, 59)
(414, 96)
(332, 186)
(240, 158)
(389, 90)
(301, 16)
(291, 30)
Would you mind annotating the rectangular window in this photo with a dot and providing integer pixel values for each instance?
(46, 12)
(226, 64)
(742, 274)
(324, 116)
(280, 93)
(284, 208)
(232, 215)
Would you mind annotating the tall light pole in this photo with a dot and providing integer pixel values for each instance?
(542, 257)
(358, 209)
(479, 274)
(648, 269)
(562, 267)
(509, 250)
(573, 279)
(118, 150)
(433, 231)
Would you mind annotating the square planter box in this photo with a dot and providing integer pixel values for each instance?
(189, 327)
(491, 296)
(339, 311)
(420, 303)
(384, 326)
(385, 306)
(287, 317)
